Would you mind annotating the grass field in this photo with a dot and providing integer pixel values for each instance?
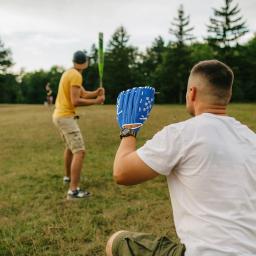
(35, 218)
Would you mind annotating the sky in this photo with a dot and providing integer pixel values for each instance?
(44, 33)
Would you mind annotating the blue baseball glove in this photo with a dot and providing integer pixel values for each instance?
(134, 105)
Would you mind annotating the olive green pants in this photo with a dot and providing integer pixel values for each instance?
(143, 244)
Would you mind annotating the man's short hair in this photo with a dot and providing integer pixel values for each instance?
(218, 74)
(217, 80)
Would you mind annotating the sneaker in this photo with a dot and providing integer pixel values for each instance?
(77, 194)
(66, 180)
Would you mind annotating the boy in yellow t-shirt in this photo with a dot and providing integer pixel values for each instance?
(71, 94)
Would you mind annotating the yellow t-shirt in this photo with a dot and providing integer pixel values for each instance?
(63, 104)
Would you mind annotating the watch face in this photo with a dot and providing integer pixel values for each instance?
(125, 132)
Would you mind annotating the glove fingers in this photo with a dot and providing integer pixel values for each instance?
(136, 101)
(119, 108)
(149, 99)
(144, 105)
(134, 105)
(129, 107)
(125, 106)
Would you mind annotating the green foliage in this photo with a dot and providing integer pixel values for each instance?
(91, 74)
(54, 75)
(201, 51)
(173, 74)
(244, 61)
(10, 89)
(147, 68)
(33, 84)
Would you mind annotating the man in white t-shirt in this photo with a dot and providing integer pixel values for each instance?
(210, 165)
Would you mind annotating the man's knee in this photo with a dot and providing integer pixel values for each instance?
(80, 153)
(110, 241)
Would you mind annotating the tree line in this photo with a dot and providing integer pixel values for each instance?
(164, 65)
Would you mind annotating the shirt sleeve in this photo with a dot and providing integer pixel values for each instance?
(76, 79)
(163, 152)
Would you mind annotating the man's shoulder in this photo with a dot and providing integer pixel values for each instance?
(181, 125)
(188, 125)
(72, 72)
(208, 122)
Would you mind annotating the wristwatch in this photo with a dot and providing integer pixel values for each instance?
(125, 132)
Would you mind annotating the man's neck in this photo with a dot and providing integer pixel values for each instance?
(79, 70)
(212, 109)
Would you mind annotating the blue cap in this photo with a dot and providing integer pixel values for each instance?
(79, 57)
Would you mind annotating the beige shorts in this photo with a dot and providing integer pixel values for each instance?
(70, 132)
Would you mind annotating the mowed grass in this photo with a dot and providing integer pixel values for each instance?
(35, 218)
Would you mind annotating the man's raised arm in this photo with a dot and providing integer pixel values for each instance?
(133, 108)
(75, 94)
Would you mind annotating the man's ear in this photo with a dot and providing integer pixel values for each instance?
(192, 93)
(229, 96)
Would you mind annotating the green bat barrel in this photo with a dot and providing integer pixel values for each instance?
(101, 59)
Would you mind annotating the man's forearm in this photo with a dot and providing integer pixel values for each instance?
(130, 166)
(127, 146)
(85, 102)
(129, 169)
(88, 94)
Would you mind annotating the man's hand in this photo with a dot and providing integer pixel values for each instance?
(77, 100)
(100, 91)
(100, 99)
(133, 106)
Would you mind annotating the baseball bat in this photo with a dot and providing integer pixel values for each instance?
(101, 58)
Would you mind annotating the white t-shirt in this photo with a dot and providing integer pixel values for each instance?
(210, 164)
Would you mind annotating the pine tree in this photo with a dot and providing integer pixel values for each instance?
(8, 84)
(5, 58)
(181, 29)
(119, 39)
(120, 61)
(174, 71)
(227, 26)
(151, 60)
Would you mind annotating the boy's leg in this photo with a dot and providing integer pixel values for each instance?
(76, 168)
(73, 155)
(68, 156)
